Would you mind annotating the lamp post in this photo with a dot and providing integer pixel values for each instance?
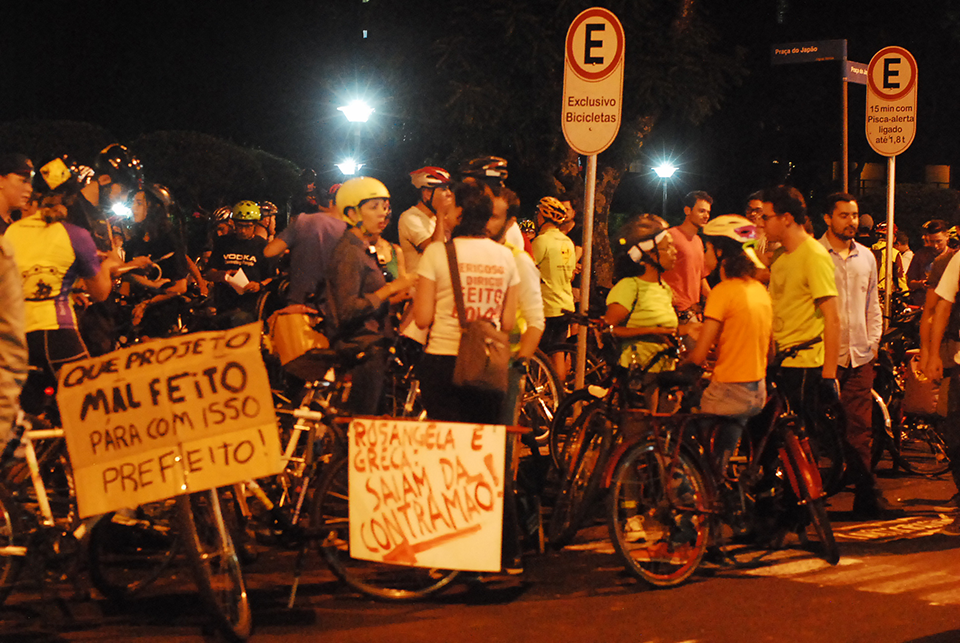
(356, 111)
(665, 170)
(349, 167)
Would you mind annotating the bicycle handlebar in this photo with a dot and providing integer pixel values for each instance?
(792, 351)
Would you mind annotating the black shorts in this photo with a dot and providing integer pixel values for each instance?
(555, 331)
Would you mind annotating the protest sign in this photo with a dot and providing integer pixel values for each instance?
(427, 494)
(168, 417)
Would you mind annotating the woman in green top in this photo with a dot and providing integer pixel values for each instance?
(640, 305)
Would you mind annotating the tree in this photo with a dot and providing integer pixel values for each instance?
(502, 63)
(43, 140)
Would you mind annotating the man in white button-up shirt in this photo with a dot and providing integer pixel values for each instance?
(861, 325)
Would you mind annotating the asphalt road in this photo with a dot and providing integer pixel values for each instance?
(897, 581)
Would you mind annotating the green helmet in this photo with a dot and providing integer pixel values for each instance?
(246, 211)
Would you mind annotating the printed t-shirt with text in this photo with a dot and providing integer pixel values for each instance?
(51, 258)
(487, 270)
(743, 307)
(797, 280)
(556, 257)
(650, 304)
(686, 276)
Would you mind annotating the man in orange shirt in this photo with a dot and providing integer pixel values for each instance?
(687, 278)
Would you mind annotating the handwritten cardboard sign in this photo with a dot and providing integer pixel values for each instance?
(427, 494)
(168, 417)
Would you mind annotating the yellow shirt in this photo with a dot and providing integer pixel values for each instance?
(743, 307)
(797, 279)
(556, 257)
(650, 305)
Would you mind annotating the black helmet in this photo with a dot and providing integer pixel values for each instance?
(123, 168)
(161, 194)
(489, 168)
(307, 177)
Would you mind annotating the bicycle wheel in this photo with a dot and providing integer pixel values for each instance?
(127, 553)
(596, 371)
(541, 397)
(330, 522)
(564, 424)
(589, 451)
(657, 515)
(13, 543)
(810, 496)
(921, 446)
(214, 563)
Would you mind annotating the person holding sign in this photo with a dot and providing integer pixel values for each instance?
(359, 292)
(489, 279)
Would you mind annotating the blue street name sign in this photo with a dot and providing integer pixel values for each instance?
(807, 52)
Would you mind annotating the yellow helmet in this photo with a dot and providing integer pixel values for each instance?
(246, 211)
(355, 191)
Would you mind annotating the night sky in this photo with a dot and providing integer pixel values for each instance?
(271, 74)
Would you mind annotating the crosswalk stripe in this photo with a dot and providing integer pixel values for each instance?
(911, 583)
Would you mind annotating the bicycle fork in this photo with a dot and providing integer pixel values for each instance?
(797, 458)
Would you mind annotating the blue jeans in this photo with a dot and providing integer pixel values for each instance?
(737, 400)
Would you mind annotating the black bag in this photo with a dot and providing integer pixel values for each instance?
(483, 358)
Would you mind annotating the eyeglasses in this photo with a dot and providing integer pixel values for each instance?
(767, 218)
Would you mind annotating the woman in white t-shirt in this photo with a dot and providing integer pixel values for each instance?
(489, 278)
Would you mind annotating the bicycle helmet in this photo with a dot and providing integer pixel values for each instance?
(354, 192)
(736, 228)
(267, 209)
(223, 213)
(123, 168)
(552, 210)
(639, 237)
(307, 177)
(54, 177)
(430, 177)
(161, 195)
(527, 226)
(953, 235)
(246, 211)
(486, 167)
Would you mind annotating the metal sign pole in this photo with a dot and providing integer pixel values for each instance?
(890, 278)
(587, 266)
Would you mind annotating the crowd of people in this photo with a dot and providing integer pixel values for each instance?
(729, 287)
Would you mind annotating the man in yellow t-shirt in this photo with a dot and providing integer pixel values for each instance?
(555, 256)
(804, 295)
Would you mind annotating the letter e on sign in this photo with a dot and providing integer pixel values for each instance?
(891, 118)
(592, 81)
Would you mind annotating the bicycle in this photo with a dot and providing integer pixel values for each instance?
(591, 439)
(668, 495)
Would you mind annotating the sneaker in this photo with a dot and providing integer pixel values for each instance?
(950, 505)
(953, 529)
(869, 504)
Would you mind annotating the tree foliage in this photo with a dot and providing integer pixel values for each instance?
(205, 172)
(42, 140)
(502, 63)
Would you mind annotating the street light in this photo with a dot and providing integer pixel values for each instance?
(356, 111)
(665, 170)
(349, 167)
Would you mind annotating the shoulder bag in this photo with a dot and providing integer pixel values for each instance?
(484, 354)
